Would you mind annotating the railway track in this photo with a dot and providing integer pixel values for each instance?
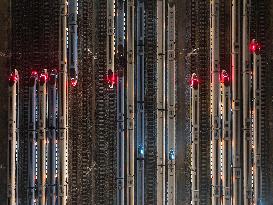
(150, 102)
(92, 122)
(224, 28)
(92, 104)
(259, 32)
(75, 144)
(32, 47)
(258, 24)
(200, 65)
(92, 143)
(105, 117)
(20, 61)
(266, 101)
(88, 86)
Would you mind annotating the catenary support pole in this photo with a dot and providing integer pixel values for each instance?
(171, 102)
(236, 101)
(130, 104)
(120, 34)
(140, 103)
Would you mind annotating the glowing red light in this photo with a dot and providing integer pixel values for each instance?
(194, 81)
(225, 78)
(73, 82)
(34, 72)
(254, 46)
(13, 78)
(111, 79)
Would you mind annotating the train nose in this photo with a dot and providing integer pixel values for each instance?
(73, 82)
(254, 46)
(111, 78)
(225, 78)
(194, 81)
(43, 79)
(53, 77)
(33, 78)
(13, 79)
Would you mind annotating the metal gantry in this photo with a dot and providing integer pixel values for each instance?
(120, 56)
(247, 133)
(236, 103)
(171, 103)
(161, 103)
(130, 103)
(140, 132)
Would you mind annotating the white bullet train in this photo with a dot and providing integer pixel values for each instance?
(195, 139)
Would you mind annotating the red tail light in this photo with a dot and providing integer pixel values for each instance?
(111, 78)
(73, 82)
(13, 78)
(34, 73)
(194, 81)
(254, 46)
(225, 79)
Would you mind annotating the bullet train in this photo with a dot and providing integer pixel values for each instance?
(73, 41)
(12, 136)
(111, 78)
(226, 137)
(33, 81)
(195, 139)
(171, 104)
(41, 138)
(257, 123)
(52, 126)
